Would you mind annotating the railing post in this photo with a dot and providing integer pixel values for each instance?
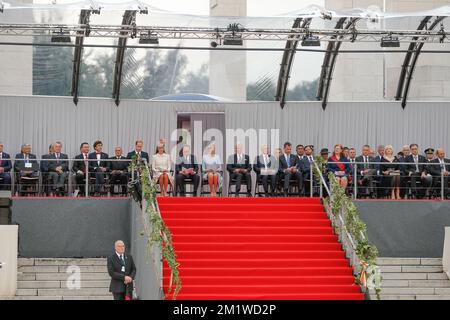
(442, 185)
(355, 178)
(86, 186)
(13, 182)
(311, 178)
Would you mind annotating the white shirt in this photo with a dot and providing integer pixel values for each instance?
(1, 155)
(98, 158)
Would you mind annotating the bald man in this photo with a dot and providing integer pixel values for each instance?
(122, 271)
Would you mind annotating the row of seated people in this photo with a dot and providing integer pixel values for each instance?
(55, 171)
(407, 174)
(277, 173)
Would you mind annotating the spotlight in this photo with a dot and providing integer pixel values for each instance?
(390, 42)
(311, 41)
(60, 36)
(233, 40)
(148, 38)
(214, 44)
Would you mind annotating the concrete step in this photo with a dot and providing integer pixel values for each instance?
(409, 261)
(428, 269)
(68, 292)
(61, 262)
(26, 292)
(398, 261)
(106, 297)
(405, 291)
(60, 269)
(38, 284)
(64, 276)
(31, 298)
(393, 297)
(401, 276)
(429, 283)
(25, 276)
(60, 284)
(434, 297)
(89, 284)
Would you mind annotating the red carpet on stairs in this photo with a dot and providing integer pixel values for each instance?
(256, 248)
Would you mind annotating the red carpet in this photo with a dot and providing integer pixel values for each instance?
(257, 248)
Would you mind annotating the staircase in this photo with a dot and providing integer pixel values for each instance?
(256, 248)
(413, 279)
(56, 279)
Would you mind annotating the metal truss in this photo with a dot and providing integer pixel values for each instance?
(129, 31)
(329, 60)
(129, 19)
(288, 59)
(411, 57)
(78, 52)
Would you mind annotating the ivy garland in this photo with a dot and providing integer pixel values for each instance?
(159, 233)
(367, 272)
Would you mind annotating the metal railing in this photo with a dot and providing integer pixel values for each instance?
(337, 221)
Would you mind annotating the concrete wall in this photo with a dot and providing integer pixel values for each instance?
(16, 63)
(406, 229)
(228, 69)
(374, 77)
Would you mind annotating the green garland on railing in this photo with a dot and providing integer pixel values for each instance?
(159, 232)
(368, 273)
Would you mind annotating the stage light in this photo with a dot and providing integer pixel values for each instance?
(60, 36)
(390, 42)
(233, 40)
(214, 44)
(311, 41)
(148, 38)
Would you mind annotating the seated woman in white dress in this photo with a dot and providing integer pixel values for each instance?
(161, 165)
(212, 168)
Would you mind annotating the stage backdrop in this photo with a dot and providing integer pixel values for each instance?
(40, 120)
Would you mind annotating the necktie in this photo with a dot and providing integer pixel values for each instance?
(265, 162)
(26, 159)
(122, 261)
(288, 161)
(415, 161)
(85, 160)
(442, 165)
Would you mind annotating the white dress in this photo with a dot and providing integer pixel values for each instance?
(160, 163)
(214, 163)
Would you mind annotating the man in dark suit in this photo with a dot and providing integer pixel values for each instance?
(26, 164)
(416, 170)
(289, 168)
(122, 271)
(118, 169)
(305, 165)
(266, 168)
(80, 166)
(99, 167)
(138, 152)
(429, 157)
(238, 165)
(367, 171)
(58, 168)
(441, 170)
(5, 168)
(300, 149)
(44, 162)
(186, 167)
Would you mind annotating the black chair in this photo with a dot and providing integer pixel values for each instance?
(187, 182)
(232, 182)
(293, 186)
(27, 186)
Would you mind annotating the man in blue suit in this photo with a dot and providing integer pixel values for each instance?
(5, 168)
(290, 169)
